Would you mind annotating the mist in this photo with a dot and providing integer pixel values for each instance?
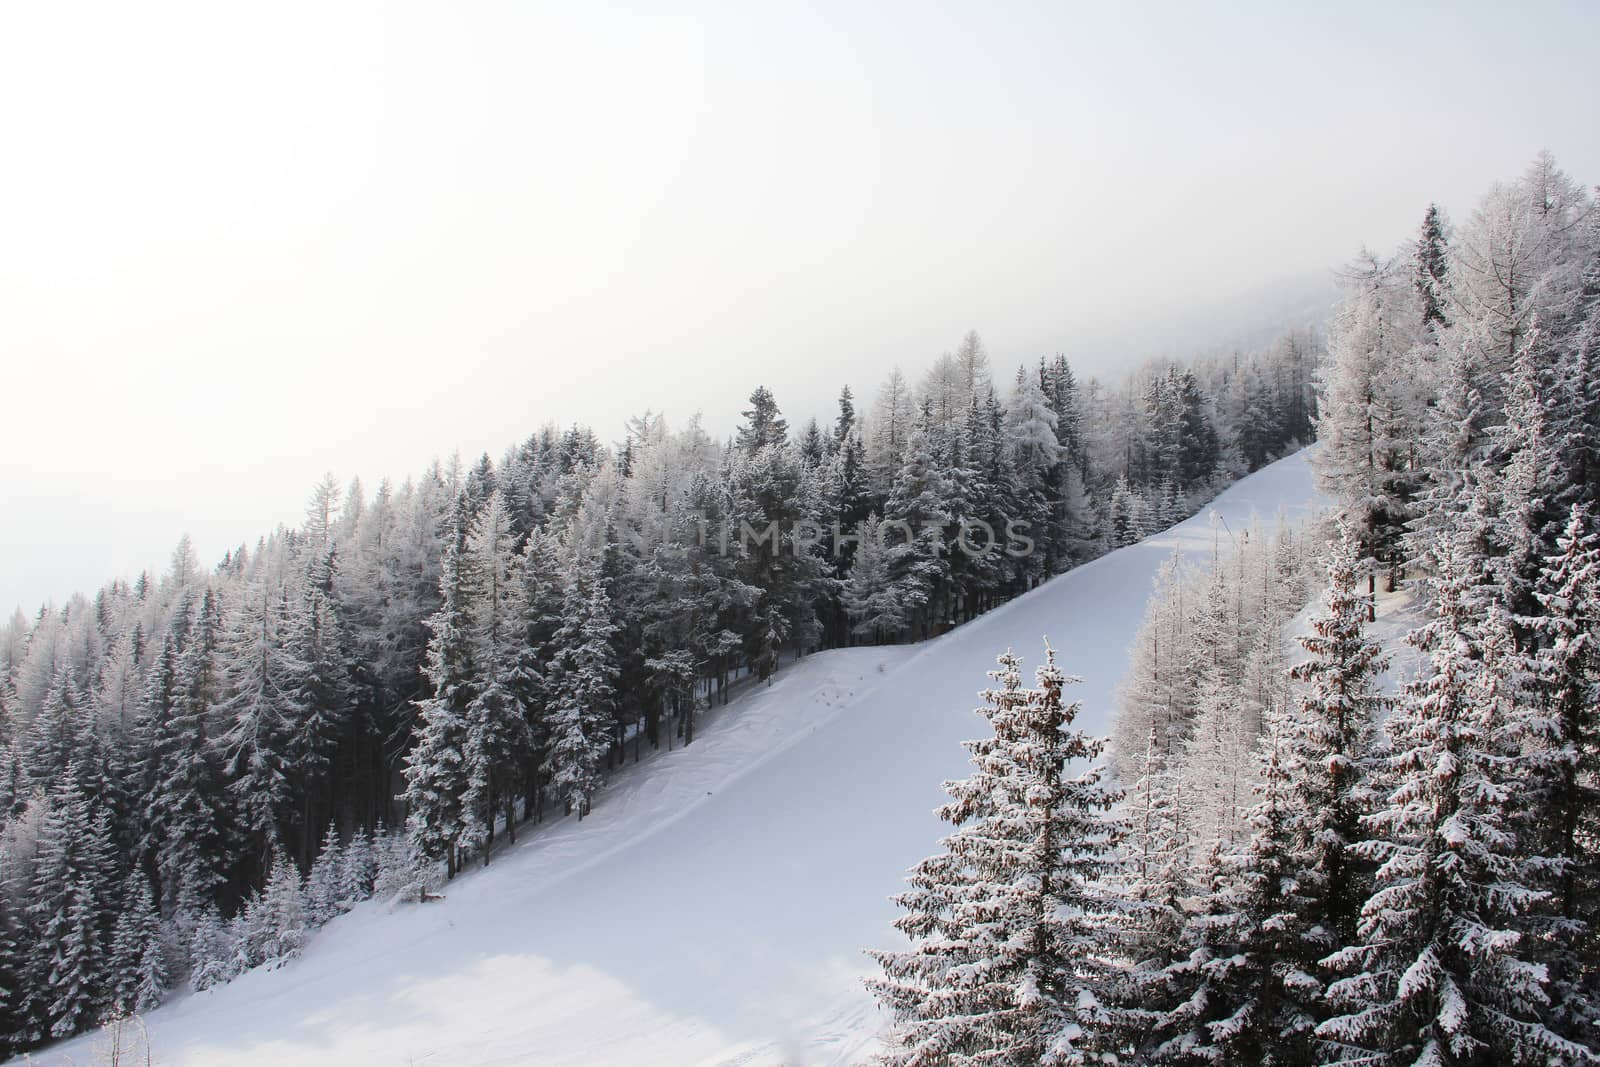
(242, 247)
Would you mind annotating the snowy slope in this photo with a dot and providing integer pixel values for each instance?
(713, 909)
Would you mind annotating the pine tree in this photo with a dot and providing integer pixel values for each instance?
(282, 929)
(187, 807)
(1366, 418)
(918, 512)
(498, 736)
(1561, 798)
(1153, 887)
(764, 425)
(1431, 269)
(1035, 454)
(13, 965)
(138, 970)
(1249, 935)
(212, 950)
(1127, 527)
(325, 894)
(1216, 762)
(439, 822)
(1155, 698)
(1005, 921)
(54, 734)
(263, 711)
(1329, 738)
(875, 602)
(358, 871)
(73, 876)
(398, 874)
(585, 681)
(1438, 972)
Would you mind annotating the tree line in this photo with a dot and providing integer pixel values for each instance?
(1296, 862)
(434, 663)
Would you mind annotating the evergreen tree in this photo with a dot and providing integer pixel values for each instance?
(1364, 427)
(874, 601)
(584, 689)
(326, 895)
(70, 907)
(1327, 745)
(1005, 922)
(138, 970)
(438, 771)
(1561, 797)
(1249, 937)
(212, 950)
(498, 737)
(188, 808)
(1438, 972)
(263, 711)
(764, 425)
(1431, 269)
(279, 927)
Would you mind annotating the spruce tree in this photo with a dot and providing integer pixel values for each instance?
(138, 970)
(70, 909)
(188, 807)
(585, 688)
(212, 950)
(1006, 921)
(1561, 798)
(1430, 266)
(498, 736)
(1438, 972)
(325, 894)
(1327, 745)
(439, 822)
(263, 710)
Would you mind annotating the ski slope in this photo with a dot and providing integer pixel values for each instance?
(714, 908)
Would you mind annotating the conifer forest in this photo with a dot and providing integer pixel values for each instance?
(917, 535)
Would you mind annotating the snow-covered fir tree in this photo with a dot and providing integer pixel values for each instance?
(1005, 922)
(1439, 971)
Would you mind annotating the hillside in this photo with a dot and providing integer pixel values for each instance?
(770, 848)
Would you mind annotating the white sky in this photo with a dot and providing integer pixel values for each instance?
(241, 245)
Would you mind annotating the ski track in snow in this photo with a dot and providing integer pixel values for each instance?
(713, 909)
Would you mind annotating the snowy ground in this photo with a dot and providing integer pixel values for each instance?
(713, 909)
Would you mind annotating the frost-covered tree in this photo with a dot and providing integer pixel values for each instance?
(212, 950)
(1328, 741)
(875, 602)
(138, 970)
(74, 876)
(1439, 971)
(1369, 417)
(273, 925)
(1254, 1000)
(263, 711)
(584, 689)
(1430, 269)
(1560, 800)
(1005, 923)
(764, 425)
(498, 736)
(438, 770)
(188, 808)
(325, 890)
(1155, 698)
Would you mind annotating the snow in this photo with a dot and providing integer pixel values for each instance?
(713, 908)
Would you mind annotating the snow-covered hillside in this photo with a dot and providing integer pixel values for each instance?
(769, 849)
